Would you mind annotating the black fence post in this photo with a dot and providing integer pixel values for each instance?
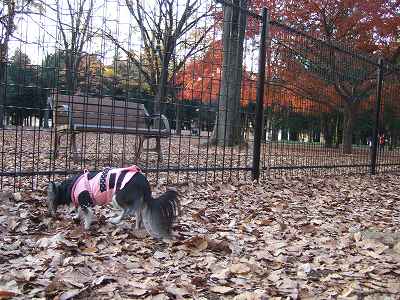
(377, 113)
(260, 95)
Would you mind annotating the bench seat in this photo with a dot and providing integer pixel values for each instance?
(77, 114)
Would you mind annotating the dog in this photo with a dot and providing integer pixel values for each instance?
(126, 188)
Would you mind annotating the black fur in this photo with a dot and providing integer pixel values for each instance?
(64, 191)
(85, 200)
(158, 214)
(161, 213)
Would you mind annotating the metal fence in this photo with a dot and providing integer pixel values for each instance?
(337, 110)
(232, 96)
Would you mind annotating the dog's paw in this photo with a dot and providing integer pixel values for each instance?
(115, 220)
(86, 226)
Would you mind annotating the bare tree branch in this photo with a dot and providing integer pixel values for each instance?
(80, 18)
(162, 28)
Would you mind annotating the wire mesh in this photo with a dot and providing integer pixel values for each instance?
(320, 105)
(89, 84)
(88, 61)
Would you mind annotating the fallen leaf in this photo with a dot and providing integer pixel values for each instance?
(158, 297)
(178, 292)
(17, 196)
(89, 250)
(274, 276)
(197, 244)
(396, 248)
(221, 289)
(70, 294)
(219, 246)
(221, 274)
(102, 279)
(307, 268)
(108, 288)
(199, 281)
(309, 228)
(7, 294)
(52, 242)
(248, 296)
(240, 269)
(160, 255)
(137, 292)
(25, 274)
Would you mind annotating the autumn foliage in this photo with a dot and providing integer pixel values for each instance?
(366, 27)
(370, 27)
(201, 78)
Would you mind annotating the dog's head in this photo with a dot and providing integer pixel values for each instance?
(53, 194)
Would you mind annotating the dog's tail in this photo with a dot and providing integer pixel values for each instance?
(160, 213)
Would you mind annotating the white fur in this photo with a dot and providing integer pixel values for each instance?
(114, 202)
(87, 217)
(77, 214)
(119, 218)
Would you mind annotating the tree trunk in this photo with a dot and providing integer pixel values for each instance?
(348, 127)
(394, 132)
(70, 82)
(162, 87)
(45, 119)
(72, 63)
(227, 126)
(328, 129)
(2, 92)
(293, 135)
(178, 117)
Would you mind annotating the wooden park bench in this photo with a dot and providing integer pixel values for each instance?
(77, 114)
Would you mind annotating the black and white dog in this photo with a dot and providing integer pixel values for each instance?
(126, 188)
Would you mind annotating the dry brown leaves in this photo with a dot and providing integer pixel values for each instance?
(26, 149)
(317, 238)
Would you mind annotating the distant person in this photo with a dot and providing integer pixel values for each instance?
(382, 143)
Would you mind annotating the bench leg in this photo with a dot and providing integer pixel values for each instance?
(158, 149)
(139, 149)
(74, 148)
(57, 142)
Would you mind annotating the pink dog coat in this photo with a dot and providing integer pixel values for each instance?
(102, 186)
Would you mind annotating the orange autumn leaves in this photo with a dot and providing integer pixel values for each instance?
(370, 27)
(201, 80)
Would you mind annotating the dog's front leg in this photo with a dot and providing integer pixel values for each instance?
(77, 214)
(119, 218)
(85, 207)
(87, 217)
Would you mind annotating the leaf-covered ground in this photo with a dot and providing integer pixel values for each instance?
(318, 238)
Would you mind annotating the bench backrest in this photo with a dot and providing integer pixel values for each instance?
(99, 111)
